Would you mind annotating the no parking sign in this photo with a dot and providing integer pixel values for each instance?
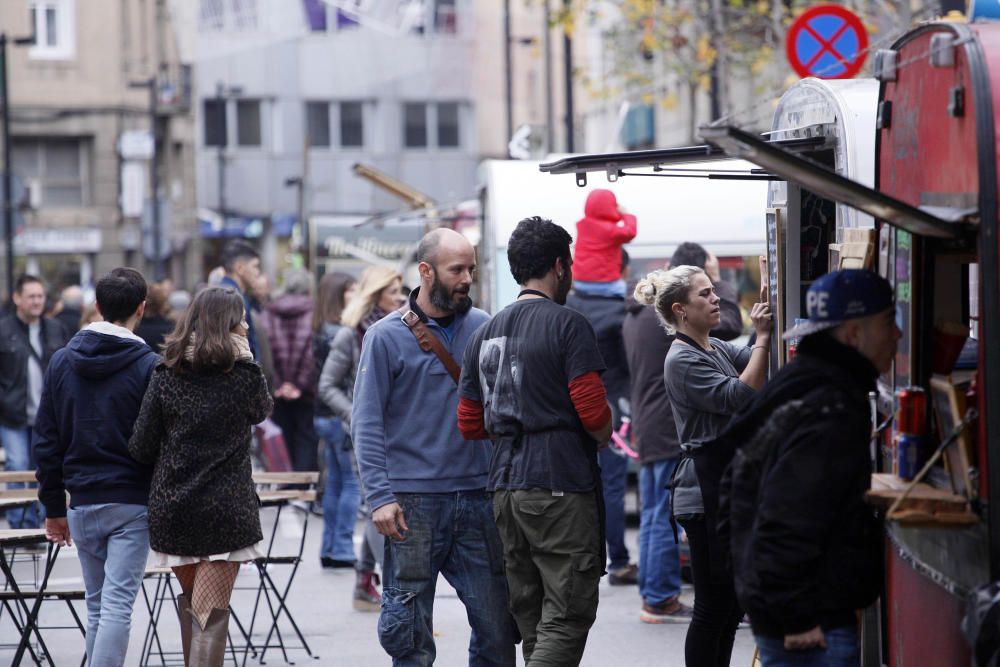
(827, 42)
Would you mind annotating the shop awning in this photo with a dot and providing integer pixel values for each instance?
(826, 183)
(661, 160)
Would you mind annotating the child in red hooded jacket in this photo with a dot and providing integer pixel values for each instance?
(600, 235)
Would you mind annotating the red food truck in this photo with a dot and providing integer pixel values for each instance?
(933, 232)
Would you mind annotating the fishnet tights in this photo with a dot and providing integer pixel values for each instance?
(207, 585)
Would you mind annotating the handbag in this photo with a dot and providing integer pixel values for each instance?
(273, 450)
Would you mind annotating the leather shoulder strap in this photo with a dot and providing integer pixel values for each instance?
(428, 342)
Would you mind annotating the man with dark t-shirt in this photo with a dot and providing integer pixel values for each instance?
(530, 381)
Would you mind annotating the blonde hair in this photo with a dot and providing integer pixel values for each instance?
(374, 279)
(662, 289)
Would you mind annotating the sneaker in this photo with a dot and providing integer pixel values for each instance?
(671, 611)
(333, 563)
(366, 595)
(626, 576)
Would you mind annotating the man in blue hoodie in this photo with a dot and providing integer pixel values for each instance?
(90, 399)
(427, 485)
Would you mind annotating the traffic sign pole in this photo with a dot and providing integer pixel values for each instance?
(8, 180)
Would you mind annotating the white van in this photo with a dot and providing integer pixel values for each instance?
(722, 215)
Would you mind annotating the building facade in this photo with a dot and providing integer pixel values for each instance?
(80, 121)
(291, 94)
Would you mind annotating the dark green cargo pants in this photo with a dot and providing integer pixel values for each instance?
(552, 560)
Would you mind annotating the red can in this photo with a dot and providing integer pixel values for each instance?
(911, 411)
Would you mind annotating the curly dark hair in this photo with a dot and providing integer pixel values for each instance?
(535, 246)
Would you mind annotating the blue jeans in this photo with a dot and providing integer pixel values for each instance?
(453, 534)
(841, 651)
(659, 558)
(112, 541)
(17, 445)
(614, 470)
(341, 493)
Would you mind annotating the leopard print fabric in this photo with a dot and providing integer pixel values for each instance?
(195, 430)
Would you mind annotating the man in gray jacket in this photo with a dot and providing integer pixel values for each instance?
(427, 485)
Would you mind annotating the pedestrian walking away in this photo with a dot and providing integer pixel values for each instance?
(530, 381)
(426, 485)
(378, 293)
(707, 381)
(807, 552)
(91, 398)
(27, 342)
(194, 427)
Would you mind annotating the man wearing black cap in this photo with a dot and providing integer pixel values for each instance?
(806, 550)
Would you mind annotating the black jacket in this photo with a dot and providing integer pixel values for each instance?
(805, 548)
(195, 429)
(93, 389)
(606, 314)
(646, 347)
(14, 353)
(154, 329)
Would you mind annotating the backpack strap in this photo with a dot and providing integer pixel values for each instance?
(428, 342)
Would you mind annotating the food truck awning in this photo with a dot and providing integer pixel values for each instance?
(829, 184)
(664, 160)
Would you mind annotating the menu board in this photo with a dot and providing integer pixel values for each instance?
(775, 284)
(903, 283)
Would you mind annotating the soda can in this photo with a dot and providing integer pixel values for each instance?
(911, 414)
(908, 456)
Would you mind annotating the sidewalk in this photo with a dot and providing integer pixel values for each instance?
(321, 602)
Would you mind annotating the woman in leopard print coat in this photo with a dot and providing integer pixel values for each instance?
(194, 427)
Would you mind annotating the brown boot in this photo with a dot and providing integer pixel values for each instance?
(208, 644)
(184, 615)
(366, 595)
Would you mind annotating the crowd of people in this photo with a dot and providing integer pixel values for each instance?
(476, 447)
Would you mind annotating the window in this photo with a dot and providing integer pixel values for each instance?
(415, 125)
(352, 127)
(215, 122)
(318, 124)
(236, 15)
(445, 16)
(248, 123)
(447, 125)
(58, 165)
(638, 129)
(322, 18)
(55, 29)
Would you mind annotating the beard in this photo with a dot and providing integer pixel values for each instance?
(443, 298)
(563, 288)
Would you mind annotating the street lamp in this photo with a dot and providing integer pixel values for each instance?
(154, 174)
(8, 177)
(299, 183)
(222, 95)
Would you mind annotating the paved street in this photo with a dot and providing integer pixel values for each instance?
(338, 635)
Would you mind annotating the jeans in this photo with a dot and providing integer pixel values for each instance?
(659, 557)
(17, 445)
(841, 651)
(717, 613)
(452, 534)
(341, 493)
(614, 470)
(112, 541)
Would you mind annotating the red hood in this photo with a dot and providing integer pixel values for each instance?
(603, 205)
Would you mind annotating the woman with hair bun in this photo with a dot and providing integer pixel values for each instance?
(707, 380)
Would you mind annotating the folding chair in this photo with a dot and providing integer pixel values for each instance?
(163, 595)
(273, 594)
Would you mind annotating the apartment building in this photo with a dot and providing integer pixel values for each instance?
(81, 147)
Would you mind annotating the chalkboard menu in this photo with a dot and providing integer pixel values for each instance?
(903, 282)
(775, 284)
